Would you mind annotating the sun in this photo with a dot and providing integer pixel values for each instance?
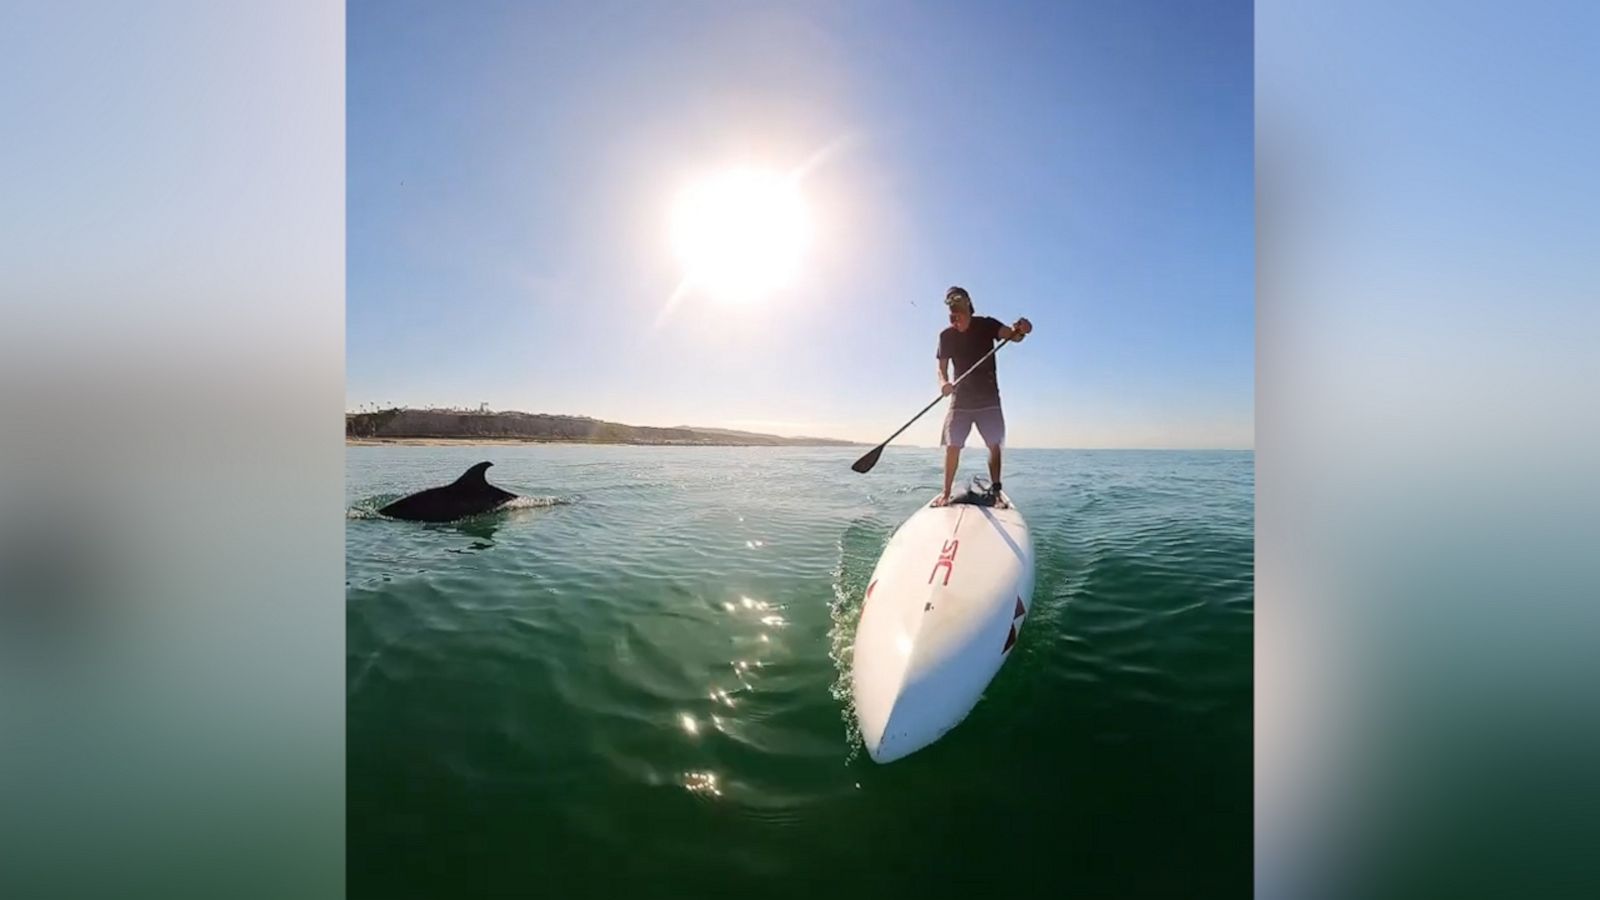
(741, 234)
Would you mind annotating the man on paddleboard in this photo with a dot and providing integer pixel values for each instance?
(977, 397)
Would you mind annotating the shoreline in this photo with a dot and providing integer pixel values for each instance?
(467, 441)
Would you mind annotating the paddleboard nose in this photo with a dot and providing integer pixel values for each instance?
(895, 730)
(889, 744)
(874, 702)
(892, 715)
(883, 743)
(902, 703)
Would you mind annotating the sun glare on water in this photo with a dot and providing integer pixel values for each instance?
(741, 235)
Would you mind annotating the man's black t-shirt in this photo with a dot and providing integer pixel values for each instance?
(982, 387)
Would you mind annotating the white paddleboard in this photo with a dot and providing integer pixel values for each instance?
(942, 612)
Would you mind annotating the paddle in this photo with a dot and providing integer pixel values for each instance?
(865, 463)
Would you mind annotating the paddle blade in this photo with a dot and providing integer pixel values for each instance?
(865, 463)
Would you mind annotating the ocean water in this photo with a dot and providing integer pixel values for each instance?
(635, 683)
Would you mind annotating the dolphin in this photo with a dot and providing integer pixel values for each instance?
(468, 495)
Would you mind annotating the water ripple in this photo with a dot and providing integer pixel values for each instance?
(666, 663)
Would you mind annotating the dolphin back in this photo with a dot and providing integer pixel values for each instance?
(469, 495)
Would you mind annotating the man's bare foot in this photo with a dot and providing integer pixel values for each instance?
(941, 500)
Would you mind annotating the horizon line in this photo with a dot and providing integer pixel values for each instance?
(469, 411)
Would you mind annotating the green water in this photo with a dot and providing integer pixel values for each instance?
(636, 684)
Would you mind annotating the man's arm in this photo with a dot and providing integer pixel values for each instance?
(1016, 332)
(944, 375)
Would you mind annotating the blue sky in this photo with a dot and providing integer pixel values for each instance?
(1088, 165)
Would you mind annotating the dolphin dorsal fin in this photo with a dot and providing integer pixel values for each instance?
(474, 475)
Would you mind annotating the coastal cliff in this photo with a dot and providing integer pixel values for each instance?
(452, 425)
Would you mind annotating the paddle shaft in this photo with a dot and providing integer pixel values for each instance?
(1003, 342)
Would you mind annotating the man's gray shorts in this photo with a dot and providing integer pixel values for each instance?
(958, 424)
